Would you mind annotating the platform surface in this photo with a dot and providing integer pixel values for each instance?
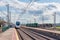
(8, 35)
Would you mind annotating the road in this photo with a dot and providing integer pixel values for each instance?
(28, 34)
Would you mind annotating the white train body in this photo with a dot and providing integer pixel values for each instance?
(17, 24)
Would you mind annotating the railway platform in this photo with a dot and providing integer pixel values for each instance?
(9, 34)
(29, 33)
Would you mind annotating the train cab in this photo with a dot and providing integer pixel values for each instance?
(17, 25)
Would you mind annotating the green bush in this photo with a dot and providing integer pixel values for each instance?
(4, 28)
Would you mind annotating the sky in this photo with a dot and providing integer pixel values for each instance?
(26, 11)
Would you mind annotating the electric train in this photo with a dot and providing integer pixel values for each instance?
(17, 25)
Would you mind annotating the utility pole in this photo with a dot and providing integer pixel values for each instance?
(55, 20)
(42, 21)
(8, 15)
(34, 20)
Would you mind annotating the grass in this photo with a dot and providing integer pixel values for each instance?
(58, 28)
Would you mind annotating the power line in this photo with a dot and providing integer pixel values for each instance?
(25, 10)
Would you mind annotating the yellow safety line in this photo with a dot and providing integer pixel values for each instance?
(16, 34)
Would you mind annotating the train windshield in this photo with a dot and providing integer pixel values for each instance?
(17, 23)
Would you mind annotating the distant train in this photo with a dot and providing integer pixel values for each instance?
(17, 25)
(39, 25)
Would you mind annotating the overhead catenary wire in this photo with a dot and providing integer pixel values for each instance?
(3, 12)
(26, 8)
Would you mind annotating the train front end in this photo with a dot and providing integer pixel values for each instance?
(17, 25)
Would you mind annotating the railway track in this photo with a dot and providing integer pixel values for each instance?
(54, 36)
(40, 35)
(25, 34)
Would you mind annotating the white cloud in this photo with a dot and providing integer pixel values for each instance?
(35, 6)
(2, 3)
(48, 13)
